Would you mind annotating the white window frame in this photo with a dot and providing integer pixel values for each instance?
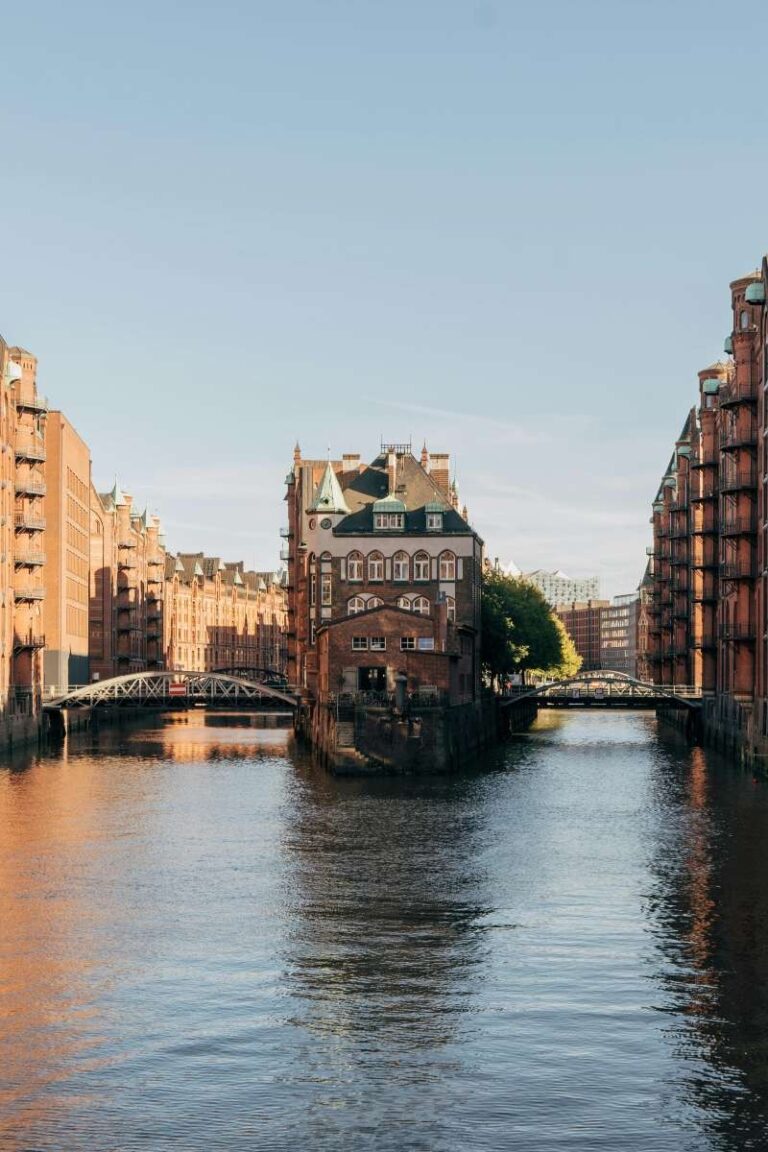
(434, 521)
(421, 606)
(447, 566)
(404, 602)
(378, 644)
(421, 564)
(401, 561)
(450, 609)
(359, 643)
(354, 605)
(326, 589)
(388, 521)
(377, 559)
(355, 567)
(425, 644)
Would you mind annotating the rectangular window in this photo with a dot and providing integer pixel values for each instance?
(326, 589)
(378, 643)
(426, 643)
(312, 631)
(359, 643)
(388, 520)
(434, 521)
(407, 643)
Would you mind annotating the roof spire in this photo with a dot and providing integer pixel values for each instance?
(329, 496)
(297, 453)
(424, 456)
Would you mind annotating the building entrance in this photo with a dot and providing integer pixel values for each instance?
(372, 679)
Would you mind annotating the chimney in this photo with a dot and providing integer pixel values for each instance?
(440, 471)
(441, 624)
(391, 470)
(425, 457)
(350, 462)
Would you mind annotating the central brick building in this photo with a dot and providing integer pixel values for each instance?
(384, 577)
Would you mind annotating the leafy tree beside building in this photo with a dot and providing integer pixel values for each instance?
(520, 633)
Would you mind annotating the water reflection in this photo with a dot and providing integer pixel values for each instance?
(208, 943)
(709, 916)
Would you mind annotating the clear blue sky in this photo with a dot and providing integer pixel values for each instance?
(506, 228)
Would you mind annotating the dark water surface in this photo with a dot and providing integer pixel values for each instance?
(206, 943)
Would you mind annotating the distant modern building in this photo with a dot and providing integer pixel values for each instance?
(618, 634)
(557, 588)
(604, 632)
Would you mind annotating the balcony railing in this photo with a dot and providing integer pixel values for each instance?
(707, 526)
(679, 531)
(28, 558)
(738, 525)
(31, 642)
(703, 640)
(127, 542)
(740, 569)
(127, 562)
(31, 593)
(739, 631)
(28, 522)
(32, 403)
(733, 479)
(737, 393)
(29, 448)
(30, 487)
(739, 437)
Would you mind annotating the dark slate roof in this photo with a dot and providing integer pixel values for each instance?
(413, 486)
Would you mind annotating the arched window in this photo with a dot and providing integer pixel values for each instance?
(421, 566)
(375, 602)
(421, 605)
(355, 605)
(375, 566)
(450, 605)
(401, 566)
(447, 566)
(744, 319)
(355, 567)
(404, 602)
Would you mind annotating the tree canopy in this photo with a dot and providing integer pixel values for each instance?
(521, 632)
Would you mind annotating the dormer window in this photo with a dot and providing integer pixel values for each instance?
(388, 521)
(434, 516)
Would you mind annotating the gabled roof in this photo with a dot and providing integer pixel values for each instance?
(329, 496)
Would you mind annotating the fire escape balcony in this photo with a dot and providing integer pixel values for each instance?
(154, 578)
(735, 393)
(32, 403)
(31, 593)
(28, 558)
(28, 522)
(29, 448)
(127, 542)
(707, 527)
(29, 643)
(743, 632)
(741, 568)
(709, 491)
(127, 562)
(30, 486)
(734, 479)
(679, 531)
(739, 525)
(705, 640)
(744, 436)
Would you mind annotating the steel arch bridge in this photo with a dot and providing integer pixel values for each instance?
(171, 688)
(605, 690)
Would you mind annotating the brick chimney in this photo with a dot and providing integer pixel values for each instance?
(440, 471)
(350, 462)
(391, 471)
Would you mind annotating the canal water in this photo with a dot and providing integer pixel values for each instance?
(207, 943)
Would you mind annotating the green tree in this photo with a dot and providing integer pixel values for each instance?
(520, 632)
(570, 662)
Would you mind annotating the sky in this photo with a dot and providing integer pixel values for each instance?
(504, 229)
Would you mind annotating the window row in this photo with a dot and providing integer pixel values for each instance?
(418, 604)
(404, 567)
(379, 643)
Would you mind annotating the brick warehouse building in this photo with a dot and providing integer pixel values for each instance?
(383, 579)
(708, 577)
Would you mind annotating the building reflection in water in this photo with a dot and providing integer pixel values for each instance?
(382, 961)
(100, 807)
(709, 914)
